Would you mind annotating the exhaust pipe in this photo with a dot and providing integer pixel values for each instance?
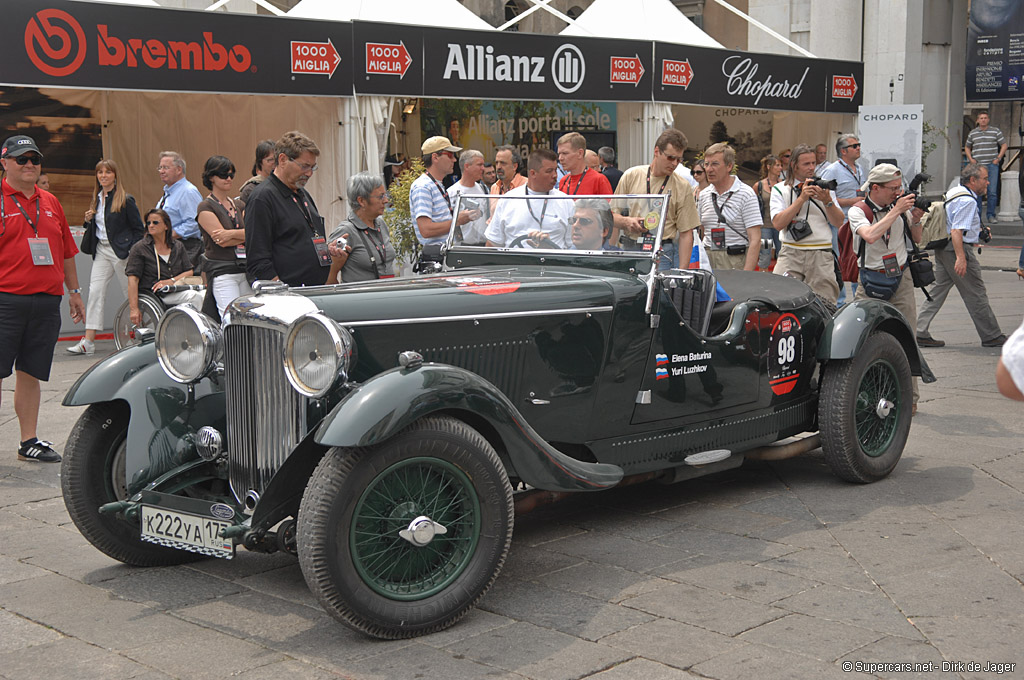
(790, 449)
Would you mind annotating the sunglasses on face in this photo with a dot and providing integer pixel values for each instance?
(852, 146)
(674, 159)
(34, 160)
(698, 172)
(583, 221)
(225, 175)
(154, 223)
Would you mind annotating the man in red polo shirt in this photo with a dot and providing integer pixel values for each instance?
(579, 179)
(37, 259)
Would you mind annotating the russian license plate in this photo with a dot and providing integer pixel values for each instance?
(186, 532)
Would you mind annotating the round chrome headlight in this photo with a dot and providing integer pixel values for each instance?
(317, 352)
(188, 344)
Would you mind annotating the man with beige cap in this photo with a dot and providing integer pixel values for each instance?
(429, 203)
(881, 224)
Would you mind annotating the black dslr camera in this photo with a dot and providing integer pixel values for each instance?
(799, 229)
(919, 202)
(828, 184)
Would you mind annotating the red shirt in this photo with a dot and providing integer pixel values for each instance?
(17, 273)
(589, 182)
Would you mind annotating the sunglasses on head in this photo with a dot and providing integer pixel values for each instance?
(34, 160)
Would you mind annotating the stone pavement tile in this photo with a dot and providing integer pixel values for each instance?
(47, 510)
(900, 650)
(287, 670)
(619, 551)
(829, 565)
(767, 663)
(27, 538)
(786, 505)
(642, 668)
(526, 563)
(537, 652)
(71, 659)
(1009, 470)
(973, 586)
(722, 518)
(728, 547)
(81, 562)
(166, 588)
(286, 582)
(475, 622)
(798, 534)
(672, 643)
(740, 580)
(17, 632)
(705, 609)
(15, 491)
(531, 531)
(887, 550)
(573, 614)
(421, 661)
(244, 564)
(602, 582)
(814, 637)
(633, 525)
(874, 610)
(95, 615)
(12, 570)
(309, 635)
(199, 654)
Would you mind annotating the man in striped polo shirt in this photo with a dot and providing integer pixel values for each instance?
(986, 146)
(729, 212)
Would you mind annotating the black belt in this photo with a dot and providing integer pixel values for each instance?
(882, 271)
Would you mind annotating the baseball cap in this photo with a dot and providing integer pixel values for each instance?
(435, 144)
(18, 145)
(880, 174)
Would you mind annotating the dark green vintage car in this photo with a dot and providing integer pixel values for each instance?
(386, 432)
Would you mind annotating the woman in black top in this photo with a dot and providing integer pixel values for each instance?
(220, 218)
(156, 261)
(112, 226)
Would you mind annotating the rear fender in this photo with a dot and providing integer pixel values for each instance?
(391, 401)
(855, 321)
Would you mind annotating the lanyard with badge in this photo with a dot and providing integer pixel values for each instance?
(568, 183)
(38, 246)
(319, 240)
(543, 209)
(718, 232)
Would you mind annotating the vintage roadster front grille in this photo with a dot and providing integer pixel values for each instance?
(266, 418)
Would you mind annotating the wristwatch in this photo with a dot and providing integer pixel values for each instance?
(830, 204)
(72, 291)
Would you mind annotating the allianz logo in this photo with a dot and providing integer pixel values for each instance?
(479, 62)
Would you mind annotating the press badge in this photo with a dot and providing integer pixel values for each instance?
(718, 237)
(40, 249)
(320, 243)
(891, 266)
(240, 252)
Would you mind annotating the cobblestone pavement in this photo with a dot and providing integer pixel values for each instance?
(773, 570)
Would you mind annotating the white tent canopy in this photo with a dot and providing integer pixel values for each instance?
(444, 13)
(642, 20)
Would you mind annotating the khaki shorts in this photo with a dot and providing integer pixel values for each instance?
(816, 268)
(721, 259)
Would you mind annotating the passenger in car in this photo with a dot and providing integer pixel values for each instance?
(590, 227)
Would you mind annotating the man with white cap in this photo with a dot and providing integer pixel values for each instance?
(881, 224)
(429, 203)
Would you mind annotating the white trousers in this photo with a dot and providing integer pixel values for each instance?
(105, 266)
(227, 287)
(193, 298)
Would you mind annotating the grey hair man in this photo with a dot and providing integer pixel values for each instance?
(848, 177)
(608, 167)
(956, 264)
(471, 163)
(180, 201)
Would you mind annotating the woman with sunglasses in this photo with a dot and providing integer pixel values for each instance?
(701, 176)
(112, 226)
(156, 261)
(220, 219)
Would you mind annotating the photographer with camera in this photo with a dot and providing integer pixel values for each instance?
(956, 264)
(802, 210)
(881, 225)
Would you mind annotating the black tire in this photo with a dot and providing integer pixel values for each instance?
(861, 439)
(92, 474)
(357, 500)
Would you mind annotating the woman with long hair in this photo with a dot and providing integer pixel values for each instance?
(112, 227)
(220, 218)
(266, 161)
(771, 174)
(156, 261)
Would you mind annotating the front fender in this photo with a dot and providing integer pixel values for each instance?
(855, 321)
(164, 415)
(389, 402)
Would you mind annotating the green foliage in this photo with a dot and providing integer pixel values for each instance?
(930, 136)
(399, 214)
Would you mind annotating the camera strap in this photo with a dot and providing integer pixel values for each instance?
(719, 210)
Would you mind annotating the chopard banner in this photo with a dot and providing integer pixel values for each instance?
(697, 75)
(87, 45)
(99, 46)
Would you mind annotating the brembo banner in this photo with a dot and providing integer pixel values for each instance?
(90, 45)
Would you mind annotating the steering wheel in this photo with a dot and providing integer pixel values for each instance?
(546, 243)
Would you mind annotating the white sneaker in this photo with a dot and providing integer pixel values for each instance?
(993, 220)
(83, 346)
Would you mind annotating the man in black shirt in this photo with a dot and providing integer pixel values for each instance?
(285, 239)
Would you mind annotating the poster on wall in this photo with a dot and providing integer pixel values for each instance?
(891, 133)
(995, 51)
(748, 131)
(526, 125)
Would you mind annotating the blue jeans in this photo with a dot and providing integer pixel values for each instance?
(670, 257)
(993, 189)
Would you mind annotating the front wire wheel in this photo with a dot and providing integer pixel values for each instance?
(865, 410)
(403, 538)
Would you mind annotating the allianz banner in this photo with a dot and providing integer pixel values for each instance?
(87, 45)
(700, 75)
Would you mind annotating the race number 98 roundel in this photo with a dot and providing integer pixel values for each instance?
(785, 354)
